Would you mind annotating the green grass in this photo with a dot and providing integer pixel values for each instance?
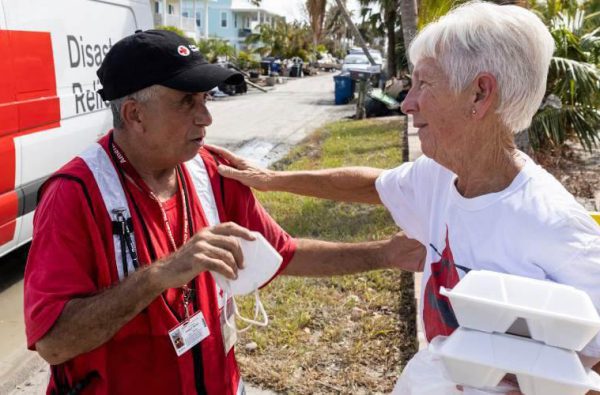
(341, 334)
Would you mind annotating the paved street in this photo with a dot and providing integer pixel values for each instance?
(259, 125)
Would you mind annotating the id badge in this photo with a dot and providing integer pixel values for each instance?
(189, 333)
(229, 334)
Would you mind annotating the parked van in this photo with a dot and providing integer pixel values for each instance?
(49, 107)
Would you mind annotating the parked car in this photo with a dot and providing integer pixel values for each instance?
(359, 61)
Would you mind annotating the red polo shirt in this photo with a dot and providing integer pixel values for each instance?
(70, 257)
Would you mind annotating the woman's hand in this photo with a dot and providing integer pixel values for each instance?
(509, 381)
(243, 170)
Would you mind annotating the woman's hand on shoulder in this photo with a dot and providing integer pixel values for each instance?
(243, 170)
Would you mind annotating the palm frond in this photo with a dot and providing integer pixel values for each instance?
(578, 82)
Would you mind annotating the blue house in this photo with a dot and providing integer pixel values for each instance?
(231, 20)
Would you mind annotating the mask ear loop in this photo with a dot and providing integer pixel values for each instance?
(259, 309)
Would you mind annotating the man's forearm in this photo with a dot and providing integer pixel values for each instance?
(87, 323)
(322, 258)
(347, 184)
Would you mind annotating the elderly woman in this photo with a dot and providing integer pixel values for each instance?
(473, 199)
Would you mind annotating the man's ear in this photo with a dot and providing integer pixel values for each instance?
(130, 114)
(485, 94)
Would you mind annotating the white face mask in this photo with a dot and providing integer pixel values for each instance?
(261, 262)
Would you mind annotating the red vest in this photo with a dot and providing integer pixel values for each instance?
(139, 358)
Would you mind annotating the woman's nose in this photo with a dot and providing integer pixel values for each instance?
(409, 104)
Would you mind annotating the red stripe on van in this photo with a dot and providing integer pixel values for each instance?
(9, 207)
(28, 104)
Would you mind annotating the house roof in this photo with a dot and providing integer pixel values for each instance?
(246, 5)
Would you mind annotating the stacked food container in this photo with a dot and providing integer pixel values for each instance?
(548, 324)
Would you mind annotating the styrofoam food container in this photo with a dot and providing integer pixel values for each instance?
(556, 314)
(480, 359)
(261, 262)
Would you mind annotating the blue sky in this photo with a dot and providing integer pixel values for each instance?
(294, 9)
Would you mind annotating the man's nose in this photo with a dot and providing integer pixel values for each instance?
(203, 116)
(409, 104)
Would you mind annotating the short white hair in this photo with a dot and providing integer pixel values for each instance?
(507, 41)
(142, 96)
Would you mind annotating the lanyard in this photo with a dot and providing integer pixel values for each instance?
(130, 173)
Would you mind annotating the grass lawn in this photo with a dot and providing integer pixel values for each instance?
(344, 334)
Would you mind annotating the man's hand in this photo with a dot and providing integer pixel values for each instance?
(401, 252)
(216, 249)
(243, 170)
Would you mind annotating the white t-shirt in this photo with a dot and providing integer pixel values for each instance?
(533, 228)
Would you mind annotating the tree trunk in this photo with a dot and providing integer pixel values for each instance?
(391, 16)
(408, 11)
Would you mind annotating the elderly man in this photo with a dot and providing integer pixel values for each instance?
(473, 199)
(118, 294)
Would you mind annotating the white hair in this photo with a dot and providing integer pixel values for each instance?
(506, 41)
(143, 95)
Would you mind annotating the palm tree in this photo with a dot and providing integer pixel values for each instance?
(284, 40)
(316, 16)
(384, 23)
(336, 30)
(572, 102)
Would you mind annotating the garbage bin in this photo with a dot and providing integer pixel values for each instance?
(265, 66)
(343, 89)
(276, 68)
(296, 70)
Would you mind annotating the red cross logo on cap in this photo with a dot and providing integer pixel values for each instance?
(183, 50)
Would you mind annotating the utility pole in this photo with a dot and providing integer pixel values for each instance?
(362, 84)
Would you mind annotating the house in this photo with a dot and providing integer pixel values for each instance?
(231, 20)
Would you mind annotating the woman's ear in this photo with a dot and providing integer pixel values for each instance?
(486, 91)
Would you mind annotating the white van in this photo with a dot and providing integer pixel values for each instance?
(49, 109)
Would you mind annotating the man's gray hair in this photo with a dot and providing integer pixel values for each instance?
(141, 96)
(506, 41)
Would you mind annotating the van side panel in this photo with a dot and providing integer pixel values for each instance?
(49, 108)
(29, 104)
(8, 125)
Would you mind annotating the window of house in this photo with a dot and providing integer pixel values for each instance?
(235, 21)
(247, 23)
(157, 7)
(198, 19)
(223, 19)
(171, 9)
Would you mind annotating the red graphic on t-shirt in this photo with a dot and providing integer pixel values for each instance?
(438, 316)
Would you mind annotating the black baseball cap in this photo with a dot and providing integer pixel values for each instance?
(158, 57)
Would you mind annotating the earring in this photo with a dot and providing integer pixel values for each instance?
(473, 111)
